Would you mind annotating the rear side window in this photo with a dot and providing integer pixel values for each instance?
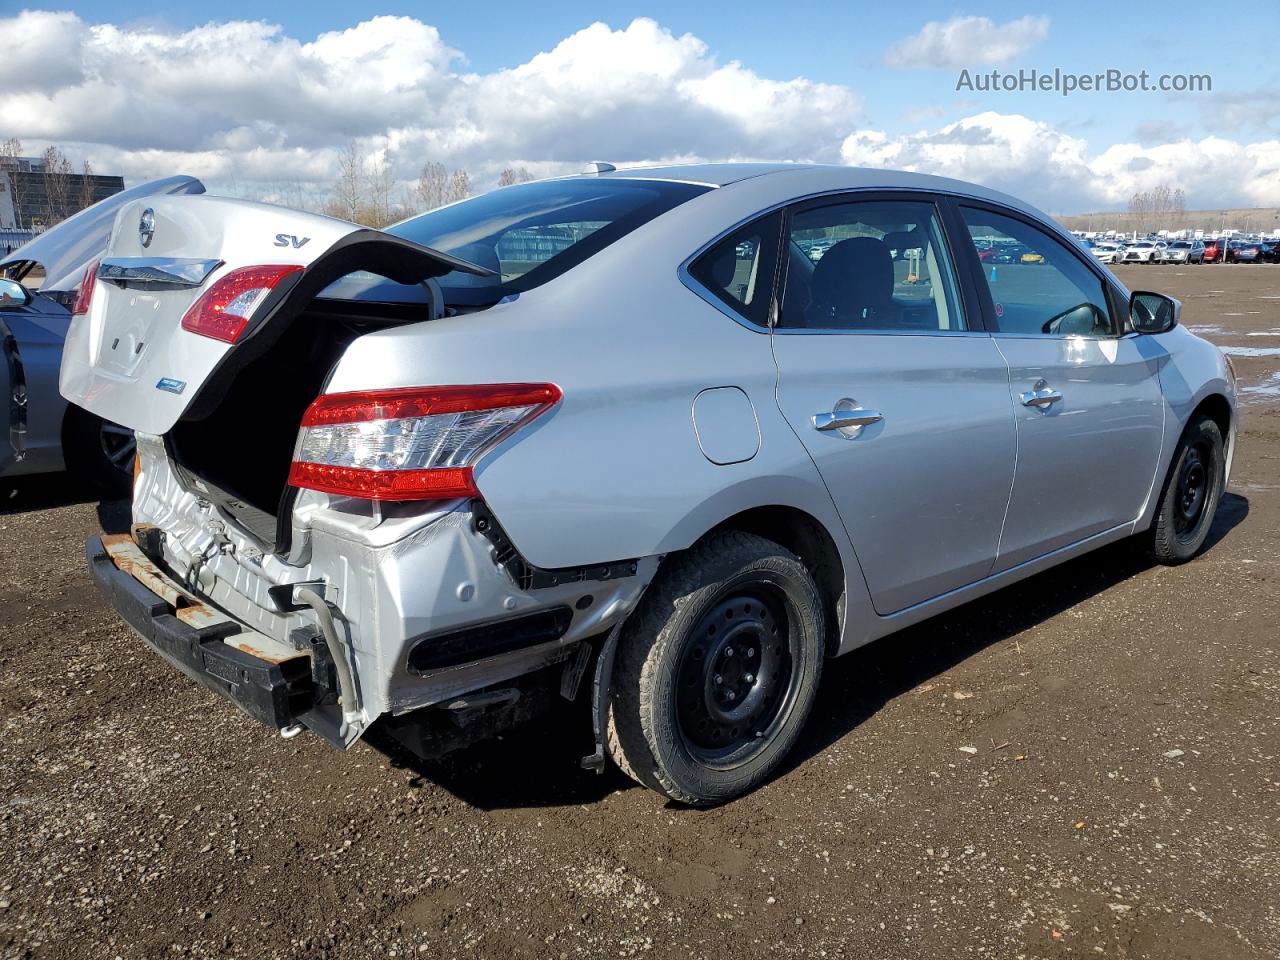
(1038, 285)
(870, 265)
(531, 233)
(739, 270)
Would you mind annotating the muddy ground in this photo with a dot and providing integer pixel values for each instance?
(1086, 764)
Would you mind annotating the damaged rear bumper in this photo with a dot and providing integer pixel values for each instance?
(192, 636)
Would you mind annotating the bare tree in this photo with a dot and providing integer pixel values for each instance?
(459, 186)
(349, 189)
(1158, 205)
(511, 176)
(432, 188)
(86, 185)
(57, 183)
(377, 210)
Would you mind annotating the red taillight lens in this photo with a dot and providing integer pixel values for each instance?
(223, 311)
(416, 443)
(84, 296)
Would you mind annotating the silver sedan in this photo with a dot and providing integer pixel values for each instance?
(621, 438)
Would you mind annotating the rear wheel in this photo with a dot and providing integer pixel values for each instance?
(1191, 494)
(717, 670)
(98, 451)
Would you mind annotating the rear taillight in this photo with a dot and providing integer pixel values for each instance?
(416, 443)
(84, 296)
(223, 311)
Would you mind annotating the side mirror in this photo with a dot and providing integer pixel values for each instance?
(13, 295)
(1153, 312)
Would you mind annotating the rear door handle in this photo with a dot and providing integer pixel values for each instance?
(844, 419)
(1041, 396)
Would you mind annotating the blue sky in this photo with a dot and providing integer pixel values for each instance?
(898, 114)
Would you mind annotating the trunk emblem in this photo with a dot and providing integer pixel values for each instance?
(171, 385)
(290, 240)
(147, 226)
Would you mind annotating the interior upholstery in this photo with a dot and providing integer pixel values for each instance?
(852, 286)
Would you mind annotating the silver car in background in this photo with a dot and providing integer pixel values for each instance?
(1184, 251)
(622, 439)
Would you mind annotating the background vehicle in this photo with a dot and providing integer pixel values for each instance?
(415, 475)
(1143, 251)
(1214, 251)
(1245, 251)
(44, 433)
(1184, 251)
(1108, 252)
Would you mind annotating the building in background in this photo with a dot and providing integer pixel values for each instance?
(35, 195)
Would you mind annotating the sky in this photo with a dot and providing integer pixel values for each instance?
(260, 101)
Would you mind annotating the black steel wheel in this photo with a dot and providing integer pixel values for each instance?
(735, 677)
(1189, 500)
(717, 669)
(1192, 493)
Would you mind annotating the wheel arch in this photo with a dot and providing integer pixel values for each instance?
(1217, 408)
(809, 539)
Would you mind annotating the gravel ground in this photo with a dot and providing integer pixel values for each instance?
(1084, 764)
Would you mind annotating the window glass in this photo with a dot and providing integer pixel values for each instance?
(533, 232)
(740, 268)
(1038, 285)
(870, 265)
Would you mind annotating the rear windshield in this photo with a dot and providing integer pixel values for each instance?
(533, 232)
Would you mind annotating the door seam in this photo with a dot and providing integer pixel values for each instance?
(1017, 443)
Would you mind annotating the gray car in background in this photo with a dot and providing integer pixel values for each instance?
(39, 431)
(621, 438)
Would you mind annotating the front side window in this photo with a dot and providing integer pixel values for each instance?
(1041, 287)
(739, 270)
(870, 265)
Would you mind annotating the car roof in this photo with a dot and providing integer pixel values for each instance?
(707, 174)
(819, 177)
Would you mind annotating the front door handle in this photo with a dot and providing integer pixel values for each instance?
(846, 419)
(1042, 396)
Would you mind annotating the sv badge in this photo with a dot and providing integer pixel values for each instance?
(289, 240)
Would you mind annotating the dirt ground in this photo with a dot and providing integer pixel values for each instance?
(1085, 764)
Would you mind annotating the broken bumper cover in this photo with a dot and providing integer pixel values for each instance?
(274, 693)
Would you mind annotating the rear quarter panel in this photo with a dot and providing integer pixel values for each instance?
(615, 471)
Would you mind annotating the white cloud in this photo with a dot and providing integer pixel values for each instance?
(243, 102)
(247, 108)
(1060, 173)
(967, 42)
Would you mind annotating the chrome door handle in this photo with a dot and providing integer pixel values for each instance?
(1041, 396)
(844, 419)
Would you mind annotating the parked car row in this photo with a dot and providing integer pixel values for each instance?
(1184, 251)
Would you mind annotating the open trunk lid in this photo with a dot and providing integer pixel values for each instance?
(63, 251)
(130, 360)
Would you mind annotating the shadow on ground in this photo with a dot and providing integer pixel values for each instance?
(537, 765)
(47, 491)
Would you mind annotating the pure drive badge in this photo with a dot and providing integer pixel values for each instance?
(171, 385)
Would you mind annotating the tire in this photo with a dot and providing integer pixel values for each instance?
(98, 451)
(736, 622)
(1191, 493)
